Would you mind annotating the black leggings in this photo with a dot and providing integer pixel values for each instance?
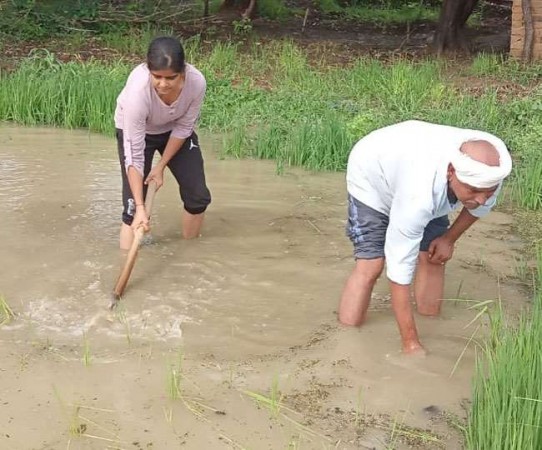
(186, 166)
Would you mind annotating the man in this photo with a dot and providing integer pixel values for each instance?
(402, 182)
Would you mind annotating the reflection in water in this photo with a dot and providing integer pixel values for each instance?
(104, 203)
(14, 187)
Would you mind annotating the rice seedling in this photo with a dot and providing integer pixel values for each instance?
(280, 411)
(175, 378)
(272, 402)
(359, 413)
(6, 313)
(526, 272)
(295, 443)
(168, 414)
(507, 394)
(120, 314)
(399, 431)
(87, 357)
(24, 360)
(231, 375)
(81, 426)
(463, 351)
(527, 186)
(72, 95)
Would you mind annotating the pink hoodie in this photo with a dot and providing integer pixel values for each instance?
(140, 111)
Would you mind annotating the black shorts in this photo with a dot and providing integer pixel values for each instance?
(367, 229)
(186, 166)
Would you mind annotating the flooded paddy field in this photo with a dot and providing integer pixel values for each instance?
(227, 341)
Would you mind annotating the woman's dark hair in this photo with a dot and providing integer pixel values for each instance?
(166, 52)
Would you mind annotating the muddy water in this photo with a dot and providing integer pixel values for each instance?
(254, 298)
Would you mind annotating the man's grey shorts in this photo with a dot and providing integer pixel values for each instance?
(367, 228)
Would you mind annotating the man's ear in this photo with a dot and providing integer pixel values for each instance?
(451, 170)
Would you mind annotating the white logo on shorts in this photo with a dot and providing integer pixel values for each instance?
(131, 206)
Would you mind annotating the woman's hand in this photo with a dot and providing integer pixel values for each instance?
(141, 219)
(157, 176)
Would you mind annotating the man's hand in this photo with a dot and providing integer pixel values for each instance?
(141, 219)
(157, 176)
(441, 250)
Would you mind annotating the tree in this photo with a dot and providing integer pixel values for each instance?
(247, 7)
(450, 33)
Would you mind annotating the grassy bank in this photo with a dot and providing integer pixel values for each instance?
(273, 104)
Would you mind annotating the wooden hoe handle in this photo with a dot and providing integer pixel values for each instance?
(132, 253)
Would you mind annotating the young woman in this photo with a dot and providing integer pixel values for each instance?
(157, 110)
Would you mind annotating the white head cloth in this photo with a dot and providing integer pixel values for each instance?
(479, 175)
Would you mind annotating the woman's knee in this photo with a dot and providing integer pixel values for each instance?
(196, 202)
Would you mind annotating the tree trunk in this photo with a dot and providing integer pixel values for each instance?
(227, 4)
(528, 39)
(250, 12)
(241, 5)
(247, 8)
(450, 33)
(205, 8)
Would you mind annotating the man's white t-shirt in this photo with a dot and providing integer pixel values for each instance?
(401, 171)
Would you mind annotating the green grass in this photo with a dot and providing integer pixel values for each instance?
(412, 12)
(72, 95)
(500, 67)
(271, 103)
(388, 12)
(35, 20)
(273, 9)
(134, 41)
(383, 13)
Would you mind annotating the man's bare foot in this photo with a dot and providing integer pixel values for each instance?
(414, 348)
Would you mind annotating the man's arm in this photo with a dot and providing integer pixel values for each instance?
(461, 224)
(403, 237)
(400, 302)
(441, 249)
